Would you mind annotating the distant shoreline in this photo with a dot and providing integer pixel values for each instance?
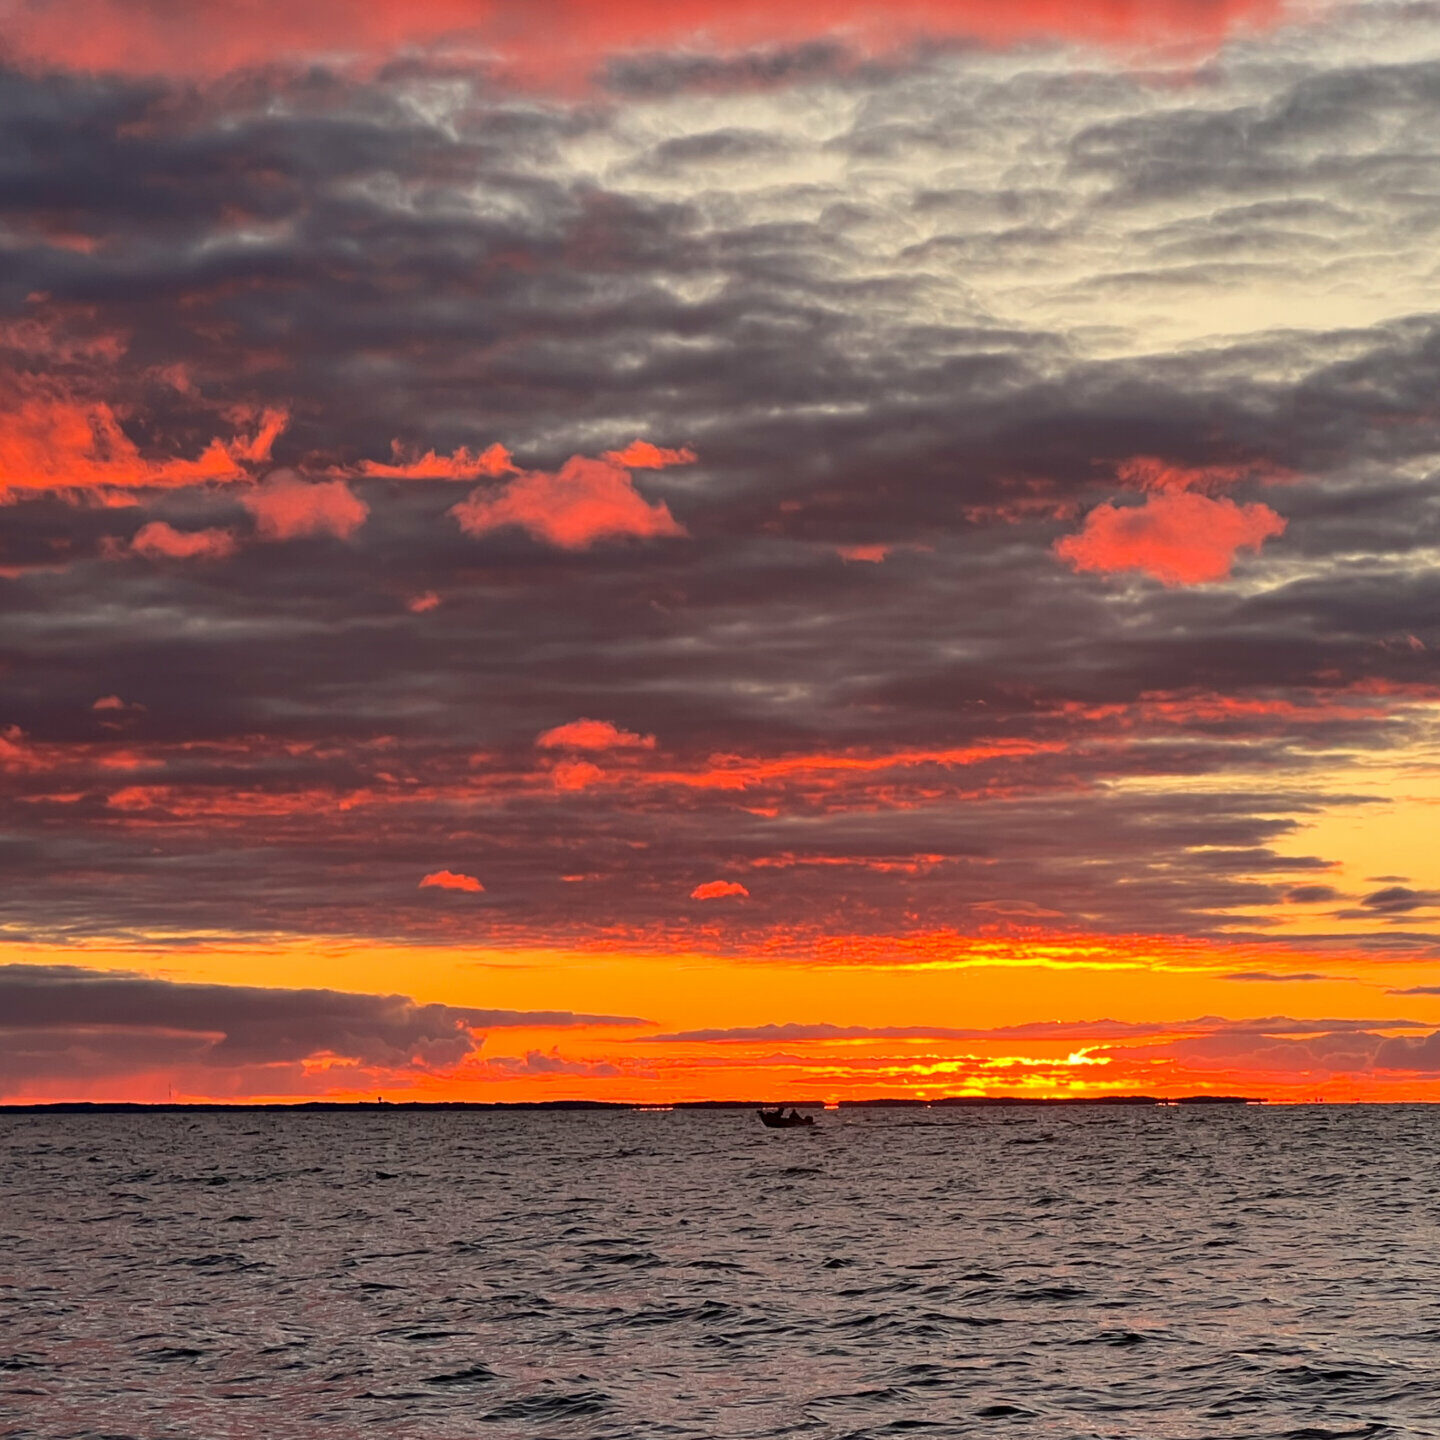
(949, 1102)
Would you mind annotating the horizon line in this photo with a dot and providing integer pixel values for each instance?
(952, 1102)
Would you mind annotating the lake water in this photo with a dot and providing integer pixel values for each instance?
(1141, 1273)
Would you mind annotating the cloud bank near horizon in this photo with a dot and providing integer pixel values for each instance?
(71, 1032)
(67, 1026)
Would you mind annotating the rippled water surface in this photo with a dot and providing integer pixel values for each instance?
(1169, 1272)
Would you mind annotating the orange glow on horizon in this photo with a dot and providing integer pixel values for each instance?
(1148, 1049)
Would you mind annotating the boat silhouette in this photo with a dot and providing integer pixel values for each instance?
(777, 1119)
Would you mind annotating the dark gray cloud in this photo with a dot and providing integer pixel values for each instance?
(1322, 1055)
(1271, 977)
(663, 74)
(1311, 894)
(1096, 1030)
(1406, 1052)
(1398, 901)
(55, 1017)
(1316, 1057)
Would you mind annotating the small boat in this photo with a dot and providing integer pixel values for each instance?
(777, 1119)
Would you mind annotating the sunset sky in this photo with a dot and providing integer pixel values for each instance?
(650, 551)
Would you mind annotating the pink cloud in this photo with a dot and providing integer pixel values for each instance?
(642, 455)
(159, 541)
(449, 880)
(286, 507)
(463, 464)
(718, 890)
(1179, 537)
(421, 604)
(584, 734)
(868, 554)
(584, 501)
(109, 702)
(558, 42)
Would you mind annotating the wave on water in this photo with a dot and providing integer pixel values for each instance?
(1147, 1274)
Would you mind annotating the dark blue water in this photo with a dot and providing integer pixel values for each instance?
(1259, 1272)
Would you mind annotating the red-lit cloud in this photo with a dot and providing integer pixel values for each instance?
(718, 890)
(1152, 473)
(286, 507)
(642, 455)
(556, 38)
(462, 464)
(449, 880)
(824, 770)
(15, 754)
(1182, 534)
(53, 442)
(583, 502)
(159, 541)
(586, 734)
(575, 775)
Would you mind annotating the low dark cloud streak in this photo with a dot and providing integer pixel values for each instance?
(237, 1025)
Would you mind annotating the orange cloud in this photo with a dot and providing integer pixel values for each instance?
(449, 880)
(1178, 537)
(159, 541)
(642, 455)
(867, 554)
(286, 507)
(584, 501)
(52, 442)
(718, 890)
(463, 464)
(420, 604)
(586, 734)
